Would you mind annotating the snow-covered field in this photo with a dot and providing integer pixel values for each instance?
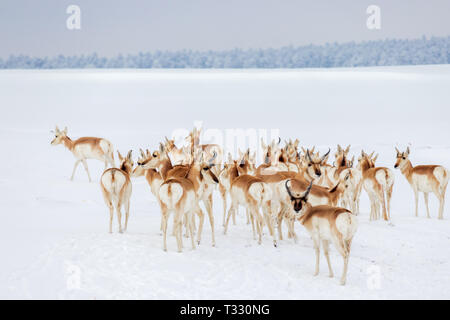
(54, 241)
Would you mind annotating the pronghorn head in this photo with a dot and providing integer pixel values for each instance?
(402, 158)
(314, 164)
(170, 144)
(139, 171)
(341, 156)
(59, 136)
(367, 161)
(246, 163)
(126, 163)
(298, 200)
(292, 149)
(154, 160)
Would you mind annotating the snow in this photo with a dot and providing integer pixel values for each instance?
(55, 241)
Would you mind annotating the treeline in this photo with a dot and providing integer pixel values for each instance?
(390, 52)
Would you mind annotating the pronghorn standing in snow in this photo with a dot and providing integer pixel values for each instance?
(426, 179)
(86, 148)
(325, 223)
(178, 156)
(378, 183)
(250, 192)
(116, 188)
(318, 195)
(175, 194)
(314, 170)
(210, 150)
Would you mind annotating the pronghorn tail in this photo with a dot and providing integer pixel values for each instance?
(260, 192)
(170, 193)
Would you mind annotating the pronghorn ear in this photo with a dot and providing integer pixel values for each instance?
(398, 151)
(363, 154)
(407, 151)
(142, 153)
(375, 158)
(339, 148)
(147, 152)
(120, 156)
(57, 129)
(129, 155)
(161, 147)
(65, 130)
(296, 143)
(348, 149)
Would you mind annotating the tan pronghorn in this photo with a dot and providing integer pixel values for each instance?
(315, 169)
(325, 223)
(175, 195)
(426, 179)
(85, 148)
(116, 188)
(152, 176)
(250, 192)
(178, 156)
(271, 159)
(318, 195)
(378, 183)
(200, 176)
(210, 150)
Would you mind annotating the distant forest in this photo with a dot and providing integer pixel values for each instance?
(391, 52)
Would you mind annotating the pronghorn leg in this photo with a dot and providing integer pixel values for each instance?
(425, 196)
(383, 204)
(75, 169)
(259, 223)
(416, 199)
(270, 224)
(326, 244)
(230, 212)
(164, 218)
(200, 225)
(316, 241)
(111, 214)
(127, 214)
(223, 194)
(279, 224)
(178, 226)
(389, 197)
(208, 205)
(441, 197)
(191, 230)
(252, 219)
(247, 213)
(86, 168)
(119, 216)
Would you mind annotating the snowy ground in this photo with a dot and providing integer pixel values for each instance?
(54, 239)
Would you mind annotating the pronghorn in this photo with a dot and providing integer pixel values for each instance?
(378, 183)
(152, 176)
(175, 194)
(250, 192)
(324, 224)
(271, 162)
(210, 150)
(318, 195)
(426, 179)
(314, 170)
(178, 156)
(201, 177)
(225, 186)
(85, 148)
(116, 188)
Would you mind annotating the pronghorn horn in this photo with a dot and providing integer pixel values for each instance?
(305, 195)
(289, 190)
(308, 156)
(142, 153)
(129, 154)
(326, 155)
(407, 151)
(279, 140)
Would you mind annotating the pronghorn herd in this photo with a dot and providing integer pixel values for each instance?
(289, 185)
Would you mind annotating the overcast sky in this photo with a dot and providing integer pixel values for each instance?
(109, 27)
